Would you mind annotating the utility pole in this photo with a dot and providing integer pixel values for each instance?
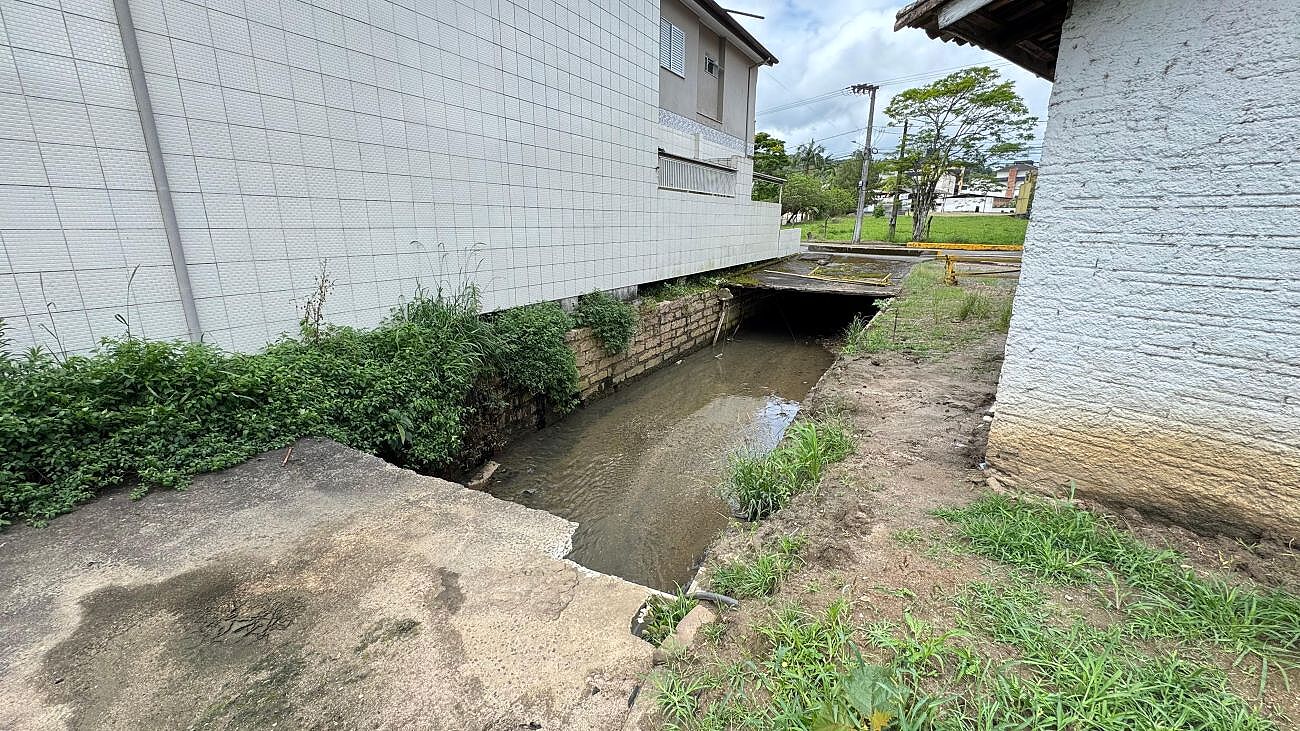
(866, 156)
(898, 180)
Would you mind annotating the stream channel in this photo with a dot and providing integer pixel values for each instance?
(641, 471)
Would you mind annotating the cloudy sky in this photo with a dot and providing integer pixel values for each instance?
(826, 45)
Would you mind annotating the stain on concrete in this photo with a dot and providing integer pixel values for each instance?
(1209, 483)
(449, 597)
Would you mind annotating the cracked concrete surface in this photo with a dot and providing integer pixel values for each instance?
(335, 591)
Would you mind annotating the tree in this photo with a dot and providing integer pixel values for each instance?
(810, 157)
(804, 195)
(848, 172)
(966, 118)
(808, 196)
(769, 158)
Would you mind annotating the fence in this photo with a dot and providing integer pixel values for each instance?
(696, 176)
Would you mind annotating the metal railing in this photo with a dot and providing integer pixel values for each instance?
(696, 176)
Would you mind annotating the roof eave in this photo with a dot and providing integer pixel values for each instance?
(1025, 32)
(756, 51)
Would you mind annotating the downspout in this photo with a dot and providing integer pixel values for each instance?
(153, 146)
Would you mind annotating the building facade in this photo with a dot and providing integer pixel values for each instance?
(188, 168)
(975, 203)
(1012, 178)
(1153, 359)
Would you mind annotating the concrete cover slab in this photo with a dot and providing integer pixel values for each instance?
(335, 591)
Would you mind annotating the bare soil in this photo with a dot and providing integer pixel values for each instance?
(921, 428)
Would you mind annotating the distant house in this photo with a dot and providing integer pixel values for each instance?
(1012, 178)
(1153, 359)
(188, 167)
(975, 203)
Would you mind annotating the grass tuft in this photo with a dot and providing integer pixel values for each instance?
(758, 575)
(661, 614)
(974, 306)
(760, 484)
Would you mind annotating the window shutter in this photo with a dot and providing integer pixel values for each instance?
(665, 43)
(672, 47)
(679, 51)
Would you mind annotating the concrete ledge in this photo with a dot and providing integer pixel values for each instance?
(841, 247)
(334, 590)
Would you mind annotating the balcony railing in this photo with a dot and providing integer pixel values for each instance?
(696, 176)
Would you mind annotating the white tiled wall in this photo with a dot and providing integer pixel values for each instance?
(79, 218)
(407, 144)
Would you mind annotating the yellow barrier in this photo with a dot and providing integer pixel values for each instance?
(950, 270)
(966, 247)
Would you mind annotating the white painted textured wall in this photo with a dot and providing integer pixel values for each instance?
(1154, 352)
(415, 143)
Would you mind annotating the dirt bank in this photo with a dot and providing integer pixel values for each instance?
(874, 545)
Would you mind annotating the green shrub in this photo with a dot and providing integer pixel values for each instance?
(528, 349)
(612, 321)
(153, 414)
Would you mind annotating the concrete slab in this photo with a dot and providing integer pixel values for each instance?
(867, 247)
(335, 591)
(799, 273)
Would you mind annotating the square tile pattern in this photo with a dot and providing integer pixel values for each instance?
(400, 145)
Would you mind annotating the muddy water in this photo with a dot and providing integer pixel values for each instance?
(639, 471)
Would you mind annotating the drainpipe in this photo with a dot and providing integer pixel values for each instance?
(140, 90)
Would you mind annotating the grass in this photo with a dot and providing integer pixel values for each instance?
(757, 575)
(660, 616)
(1146, 654)
(1069, 674)
(907, 536)
(798, 664)
(759, 483)
(987, 229)
(1161, 599)
(931, 318)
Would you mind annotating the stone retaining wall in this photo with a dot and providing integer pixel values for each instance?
(665, 331)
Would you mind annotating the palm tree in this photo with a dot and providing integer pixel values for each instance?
(810, 155)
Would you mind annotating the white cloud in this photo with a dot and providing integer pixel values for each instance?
(825, 45)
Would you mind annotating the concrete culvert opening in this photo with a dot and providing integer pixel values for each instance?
(817, 315)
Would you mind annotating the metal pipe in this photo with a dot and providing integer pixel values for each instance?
(157, 166)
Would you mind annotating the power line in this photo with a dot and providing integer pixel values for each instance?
(804, 102)
(896, 81)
